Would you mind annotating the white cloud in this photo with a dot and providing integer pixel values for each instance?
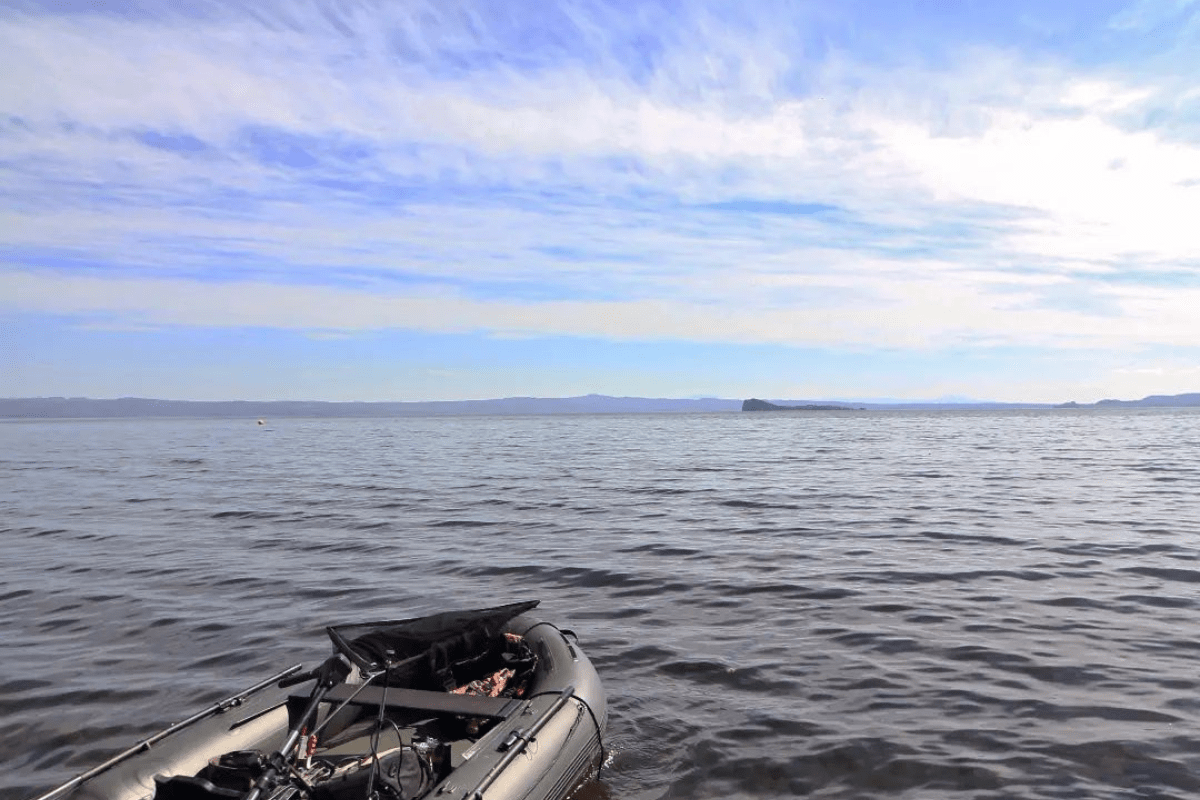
(915, 157)
(1102, 193)
(915, 312)
(1145, 15)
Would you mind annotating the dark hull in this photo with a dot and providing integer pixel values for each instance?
(564, 706)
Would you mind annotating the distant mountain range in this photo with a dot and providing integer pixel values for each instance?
(86, 408)
(1152, 401)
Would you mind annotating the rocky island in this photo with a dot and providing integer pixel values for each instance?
(754, 404)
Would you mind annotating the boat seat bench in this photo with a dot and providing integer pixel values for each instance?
(395, 699)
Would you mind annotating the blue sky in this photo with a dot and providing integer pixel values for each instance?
(448, 200)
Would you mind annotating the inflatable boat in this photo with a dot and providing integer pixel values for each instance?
(489, 704)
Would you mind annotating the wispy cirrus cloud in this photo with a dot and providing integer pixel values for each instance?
(787, 174)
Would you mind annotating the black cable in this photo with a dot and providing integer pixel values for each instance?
(599, 734)
(592, 714)
(375, 736)
(400, 763)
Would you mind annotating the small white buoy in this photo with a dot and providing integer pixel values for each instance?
(262, 422)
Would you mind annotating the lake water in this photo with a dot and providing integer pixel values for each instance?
(907, 605)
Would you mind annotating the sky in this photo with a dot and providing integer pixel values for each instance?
(836, 199)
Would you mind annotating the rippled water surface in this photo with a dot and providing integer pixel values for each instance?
(838, 605)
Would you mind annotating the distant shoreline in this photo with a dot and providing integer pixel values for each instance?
(136, 407)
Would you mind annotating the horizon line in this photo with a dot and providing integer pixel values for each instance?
(595, 395)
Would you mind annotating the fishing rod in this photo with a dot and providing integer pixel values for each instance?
(223, 705)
